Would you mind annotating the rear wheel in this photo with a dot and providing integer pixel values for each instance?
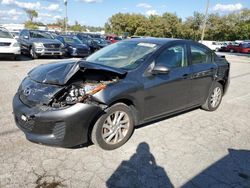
(214, 98)
(114, 128)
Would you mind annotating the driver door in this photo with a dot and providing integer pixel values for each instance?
(168, 92)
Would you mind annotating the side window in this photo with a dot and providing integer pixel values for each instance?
(25, 33)
(60, 39)
(22, 34)
(200, 55)
(173, 57)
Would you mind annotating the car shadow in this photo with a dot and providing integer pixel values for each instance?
(141, 170)
(233, 170)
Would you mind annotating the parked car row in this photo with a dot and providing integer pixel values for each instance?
(37, 43)
(228, 46)
(238, 48)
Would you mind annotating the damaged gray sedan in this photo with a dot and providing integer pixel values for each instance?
(129, 83)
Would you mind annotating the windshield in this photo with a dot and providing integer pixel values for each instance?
(125, 55)
(5, 34)
(40, 35)
(72, 40)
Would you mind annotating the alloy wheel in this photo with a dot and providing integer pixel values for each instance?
(216, 97)
(115, 127)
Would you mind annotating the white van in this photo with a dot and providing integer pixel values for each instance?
(8, 44)
(213, 45)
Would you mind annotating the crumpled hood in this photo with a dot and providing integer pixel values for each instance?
(60, 73)
(33, 93)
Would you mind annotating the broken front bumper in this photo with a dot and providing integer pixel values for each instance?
(66, 127)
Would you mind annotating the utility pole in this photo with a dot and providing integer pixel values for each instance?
(205, 21)
(66, 16)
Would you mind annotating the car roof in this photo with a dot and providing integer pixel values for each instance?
(160, 41)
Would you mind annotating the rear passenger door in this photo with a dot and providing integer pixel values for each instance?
(203, 70)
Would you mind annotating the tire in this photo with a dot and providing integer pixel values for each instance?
(33, 54)
(104, 129)
(210, 104)
(232, 51)
(16, 57)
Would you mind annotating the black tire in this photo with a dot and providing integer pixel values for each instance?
(33, 54)
(208, 104)
(16, 57)
(232, 51)
(97, 131)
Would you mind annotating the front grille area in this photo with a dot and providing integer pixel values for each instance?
(53, 49)
(5, 43)
(82, 51)
(53, 46)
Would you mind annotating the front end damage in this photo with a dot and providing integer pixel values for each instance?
(60, 110)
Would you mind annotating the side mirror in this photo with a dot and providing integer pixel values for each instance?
(160, 69)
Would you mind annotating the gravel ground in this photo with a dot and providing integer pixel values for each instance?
(194, 149)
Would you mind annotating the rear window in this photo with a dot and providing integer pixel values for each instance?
(200, 55)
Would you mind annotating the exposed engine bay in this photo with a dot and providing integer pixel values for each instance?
(82, 87)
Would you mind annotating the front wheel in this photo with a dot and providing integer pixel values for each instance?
(214, 98)
(114, 128)
(33, 54)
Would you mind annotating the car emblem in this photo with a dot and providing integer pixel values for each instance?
(27, 91)
(53, 46)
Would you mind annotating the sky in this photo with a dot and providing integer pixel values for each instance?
(97, 12)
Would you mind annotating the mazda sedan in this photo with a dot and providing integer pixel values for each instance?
(102, 99)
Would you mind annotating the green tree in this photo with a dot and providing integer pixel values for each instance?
(76, 27)
(30, 25)
(172, 24)
(192, 26)
(31, 14)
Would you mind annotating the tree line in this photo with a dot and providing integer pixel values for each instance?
(76, 27)
(230, 27)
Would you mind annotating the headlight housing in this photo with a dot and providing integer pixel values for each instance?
(75, 94)
(16, 44)
(38, 44)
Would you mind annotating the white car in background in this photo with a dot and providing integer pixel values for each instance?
(213, 45)
(9, 46)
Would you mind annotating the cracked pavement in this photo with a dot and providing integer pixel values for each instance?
(193, 149)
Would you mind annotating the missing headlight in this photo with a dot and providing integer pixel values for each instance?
(76, 93)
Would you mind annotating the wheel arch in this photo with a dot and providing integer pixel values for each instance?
(127, 101)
